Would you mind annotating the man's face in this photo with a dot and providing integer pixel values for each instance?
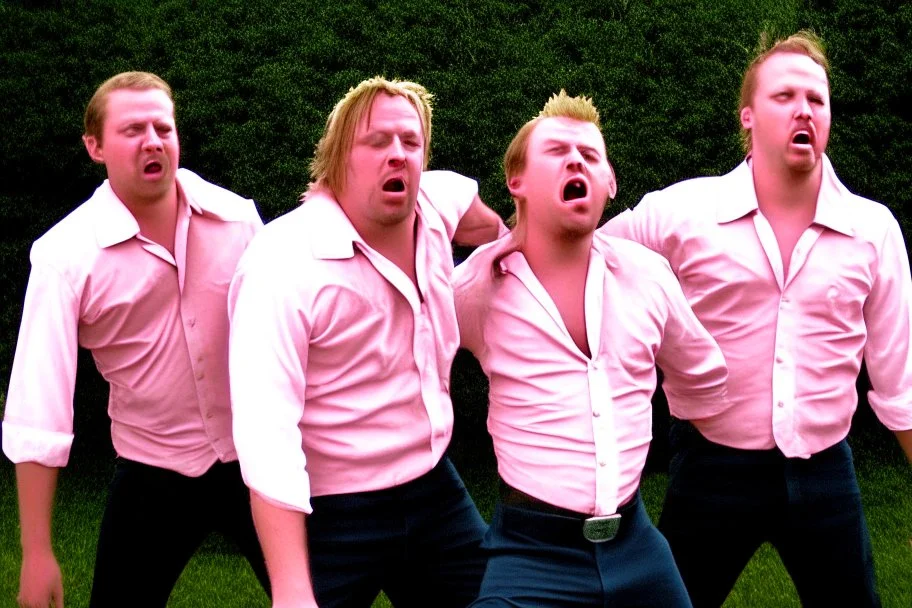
(566, 181)
(384, 165)
(139, 146)
(789, 116)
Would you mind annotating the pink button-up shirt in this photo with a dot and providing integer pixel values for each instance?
(340, 367)
(793, 342)
(568, 429)
(156, 324)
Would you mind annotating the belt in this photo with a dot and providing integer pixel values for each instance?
(595, 529)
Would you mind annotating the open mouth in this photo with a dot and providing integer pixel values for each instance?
(152, 168)
(394, 185)
(801, 138)
(575, 189)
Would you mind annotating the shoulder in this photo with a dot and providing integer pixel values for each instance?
(449, 194)
(217, 200)
(72, 240)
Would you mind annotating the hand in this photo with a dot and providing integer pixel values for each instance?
(40, 582)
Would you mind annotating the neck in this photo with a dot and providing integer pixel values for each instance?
(547, 255)
(785, 189)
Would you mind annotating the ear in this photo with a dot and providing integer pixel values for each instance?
(515, 185)
(612, 184)
(747, 117)
(93, 147)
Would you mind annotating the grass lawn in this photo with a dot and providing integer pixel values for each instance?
(218, 577)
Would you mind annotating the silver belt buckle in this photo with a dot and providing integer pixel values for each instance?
(601, 528)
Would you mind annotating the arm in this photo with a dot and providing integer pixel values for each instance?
(479, 225)
(693, 364)
(888, 350)
(40, 582)
(905, 442)
(283, 536)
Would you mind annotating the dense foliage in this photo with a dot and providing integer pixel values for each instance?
(254, 82)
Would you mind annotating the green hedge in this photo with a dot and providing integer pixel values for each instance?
(255, 81)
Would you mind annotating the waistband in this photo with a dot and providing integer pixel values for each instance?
(577, 526)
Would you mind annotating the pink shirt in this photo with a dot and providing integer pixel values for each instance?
(793, 343)
(156, 324)
(340, 368)
(570, 430)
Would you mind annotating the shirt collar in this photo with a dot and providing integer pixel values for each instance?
(602, 246)
(115, 224)
(740, 198)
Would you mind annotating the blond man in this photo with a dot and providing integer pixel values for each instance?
(343, 331)
(138, 274)
(569, 333)
(798, 279)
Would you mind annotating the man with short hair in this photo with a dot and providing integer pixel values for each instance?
(569, 333)
(139, 275)
(798, 280)
(343, 332)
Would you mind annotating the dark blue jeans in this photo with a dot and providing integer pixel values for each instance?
(155, 520)
(723, 503)
(418, 542)
(539, 559)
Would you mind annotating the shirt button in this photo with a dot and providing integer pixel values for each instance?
(779, 359)
(210, 415)
(200, 375)
(596, 413)
(602, 463)
(780, 404)
(192, 322)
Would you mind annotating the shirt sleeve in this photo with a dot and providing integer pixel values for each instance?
(450, 194)
(268, 348)
(38, 421)
(888, 318)
(642, 224)
(693, 364)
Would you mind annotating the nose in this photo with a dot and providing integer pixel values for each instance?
(396, 151)
(152, 140)
(804, 108)
(574, 159)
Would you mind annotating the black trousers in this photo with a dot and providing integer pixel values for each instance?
(154, 521)
(723, 503)
(420, 542)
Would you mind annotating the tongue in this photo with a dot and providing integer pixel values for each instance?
(153, 168)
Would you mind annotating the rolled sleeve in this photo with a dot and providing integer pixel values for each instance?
(38, 420)
(267, 365)
(888, 318)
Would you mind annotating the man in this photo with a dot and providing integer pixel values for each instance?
(797, 279)
(139, 275)
(569, 334)
(343, 331)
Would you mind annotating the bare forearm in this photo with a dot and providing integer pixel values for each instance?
(36, 484)
(905, 441)
(283, 536)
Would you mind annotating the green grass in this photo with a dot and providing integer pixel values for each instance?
(218, 577)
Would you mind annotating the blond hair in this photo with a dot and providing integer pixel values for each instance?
(328, 165)
(96, 110)
(804, 42)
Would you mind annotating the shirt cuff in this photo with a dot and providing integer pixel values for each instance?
(27, 444)
(894, 413)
